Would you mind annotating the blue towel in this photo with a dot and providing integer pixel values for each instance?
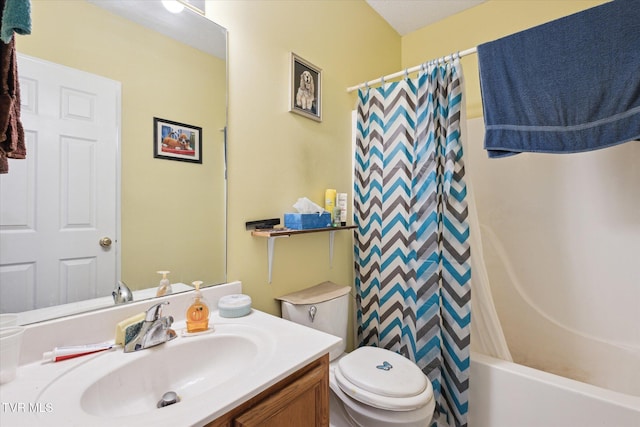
(567, 86)
(16, 17)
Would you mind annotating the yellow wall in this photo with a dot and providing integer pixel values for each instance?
(276, 156)
(480, 24)
(163, 227)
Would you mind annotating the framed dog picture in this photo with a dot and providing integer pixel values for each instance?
(306, 89)
(176, 141)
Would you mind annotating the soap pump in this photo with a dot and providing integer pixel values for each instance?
(164, 288)
(198, 312)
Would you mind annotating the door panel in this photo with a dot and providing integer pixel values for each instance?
(56, 205)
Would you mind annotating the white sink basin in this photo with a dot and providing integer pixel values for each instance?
(212, 373)
(115, 384)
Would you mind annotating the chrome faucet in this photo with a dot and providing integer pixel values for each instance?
(155, 330)
(122, 294)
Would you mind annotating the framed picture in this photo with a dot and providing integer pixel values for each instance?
(306, 89)
(176, 141)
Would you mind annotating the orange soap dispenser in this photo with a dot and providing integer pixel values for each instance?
(198, 312)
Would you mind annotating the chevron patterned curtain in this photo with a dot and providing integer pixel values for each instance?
(412, 258)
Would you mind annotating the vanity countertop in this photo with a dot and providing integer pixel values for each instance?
(26, 401)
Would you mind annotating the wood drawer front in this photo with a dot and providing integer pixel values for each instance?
(302, 399)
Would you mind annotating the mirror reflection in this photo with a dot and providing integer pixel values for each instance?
(168, 214)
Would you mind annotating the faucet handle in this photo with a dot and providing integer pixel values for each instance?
(155, 312)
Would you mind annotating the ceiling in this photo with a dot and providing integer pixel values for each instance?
(406, 16)
(187, 27)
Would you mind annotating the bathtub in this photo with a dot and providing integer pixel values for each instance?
(505, 394)
(560, 237)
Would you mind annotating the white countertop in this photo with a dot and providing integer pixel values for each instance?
(295, 346)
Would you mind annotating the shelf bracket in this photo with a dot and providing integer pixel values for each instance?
(271, 235)
(270, 244)
(332, 235)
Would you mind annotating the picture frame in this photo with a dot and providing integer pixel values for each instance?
(305, 96)
(176, 141)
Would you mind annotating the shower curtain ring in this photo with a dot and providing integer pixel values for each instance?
(406, 73)
(382, 80)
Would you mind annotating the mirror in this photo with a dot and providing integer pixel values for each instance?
(172, 213)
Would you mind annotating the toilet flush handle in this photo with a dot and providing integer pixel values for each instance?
(312, 312)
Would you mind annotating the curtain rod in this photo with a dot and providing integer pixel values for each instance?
(411, 70)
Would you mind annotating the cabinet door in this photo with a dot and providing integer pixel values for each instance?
(301, 403)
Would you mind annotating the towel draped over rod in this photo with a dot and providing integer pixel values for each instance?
(381, 80)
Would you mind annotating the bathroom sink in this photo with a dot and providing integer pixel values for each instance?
(115, 384)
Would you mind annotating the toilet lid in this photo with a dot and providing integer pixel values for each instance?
(383, 379)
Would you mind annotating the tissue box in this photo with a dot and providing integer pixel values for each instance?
(299, 221)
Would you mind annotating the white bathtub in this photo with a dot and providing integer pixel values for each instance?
(505, 394)
(560, 245)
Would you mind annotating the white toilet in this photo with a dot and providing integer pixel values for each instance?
(370, 387)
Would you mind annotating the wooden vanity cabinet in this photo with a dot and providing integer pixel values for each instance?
(300, 400)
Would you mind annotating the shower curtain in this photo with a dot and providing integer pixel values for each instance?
(412, 255)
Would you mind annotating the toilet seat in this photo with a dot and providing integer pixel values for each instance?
(383, 379)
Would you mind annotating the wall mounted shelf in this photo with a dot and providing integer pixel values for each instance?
(272, 235)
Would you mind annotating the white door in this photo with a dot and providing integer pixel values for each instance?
(57, 205)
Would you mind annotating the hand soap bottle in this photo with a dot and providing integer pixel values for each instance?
(198, 312)
(164, 288)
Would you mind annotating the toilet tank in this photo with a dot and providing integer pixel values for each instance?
(324, 307)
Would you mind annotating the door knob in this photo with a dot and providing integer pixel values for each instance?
(105, 242)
